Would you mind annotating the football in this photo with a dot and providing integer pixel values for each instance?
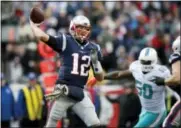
(37, 15)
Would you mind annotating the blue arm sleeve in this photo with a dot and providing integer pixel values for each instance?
(20, 107)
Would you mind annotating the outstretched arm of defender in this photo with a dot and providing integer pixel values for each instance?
(118, 75)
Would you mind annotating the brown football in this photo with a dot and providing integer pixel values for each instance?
(37, 15)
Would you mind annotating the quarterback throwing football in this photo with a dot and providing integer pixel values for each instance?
(77, 54)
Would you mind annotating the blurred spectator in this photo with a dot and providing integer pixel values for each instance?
(171, 98)
(29, 57)
(106, 43)
(24, 30)
(132, 24)
(63, 21)
(31, 107)
(130, 109)
(7, 59)
(97, 11)
(159, 44)
(151, 8)
(14, 68)
(7, 103)
(117, 9)
(122, 60)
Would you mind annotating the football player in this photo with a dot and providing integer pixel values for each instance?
(152, 97)
(174, 117)
(77, 54)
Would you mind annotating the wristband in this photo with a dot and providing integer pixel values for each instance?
(97, 68)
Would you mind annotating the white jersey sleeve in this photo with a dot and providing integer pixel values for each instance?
(133, 66)
(163, 71)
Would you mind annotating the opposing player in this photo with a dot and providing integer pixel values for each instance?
(152, 97)
(77, 54)
(174, 117)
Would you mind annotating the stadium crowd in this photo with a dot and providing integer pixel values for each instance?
(121, 28)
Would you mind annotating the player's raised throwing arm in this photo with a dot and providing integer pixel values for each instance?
(118, 75)
(56, 43)
(39, 34)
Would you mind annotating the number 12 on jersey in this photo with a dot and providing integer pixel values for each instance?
(83, 66)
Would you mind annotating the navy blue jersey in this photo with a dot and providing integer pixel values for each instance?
(174, 57)
(75, 59)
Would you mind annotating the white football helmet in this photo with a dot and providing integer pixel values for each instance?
(80, 27)
(176, 45)
(148, 59)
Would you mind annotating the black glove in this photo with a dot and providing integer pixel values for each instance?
(158, 81)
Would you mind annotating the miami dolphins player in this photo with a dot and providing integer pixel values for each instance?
(152, 97)
(174, 117)
(77, 54)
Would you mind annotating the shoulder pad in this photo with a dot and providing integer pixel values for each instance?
(96, 46)
(133, 65)
(162, 68)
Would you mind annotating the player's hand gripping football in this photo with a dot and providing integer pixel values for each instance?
(158, 81)
(60, 90)
(94, 57)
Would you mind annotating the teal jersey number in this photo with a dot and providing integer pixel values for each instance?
(145, 91)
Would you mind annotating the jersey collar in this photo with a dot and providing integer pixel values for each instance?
(81, 44)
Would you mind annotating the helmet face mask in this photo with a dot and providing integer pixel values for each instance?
(147, 67)
(80, 28)
(82, 32)
(148, 59)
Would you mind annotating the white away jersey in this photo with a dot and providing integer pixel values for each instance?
(152, 97)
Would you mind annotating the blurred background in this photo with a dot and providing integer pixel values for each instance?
(122, 29)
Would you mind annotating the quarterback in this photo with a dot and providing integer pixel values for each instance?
(77, 54)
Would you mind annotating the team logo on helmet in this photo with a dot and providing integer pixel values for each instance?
(80, 28)
(148, 59)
